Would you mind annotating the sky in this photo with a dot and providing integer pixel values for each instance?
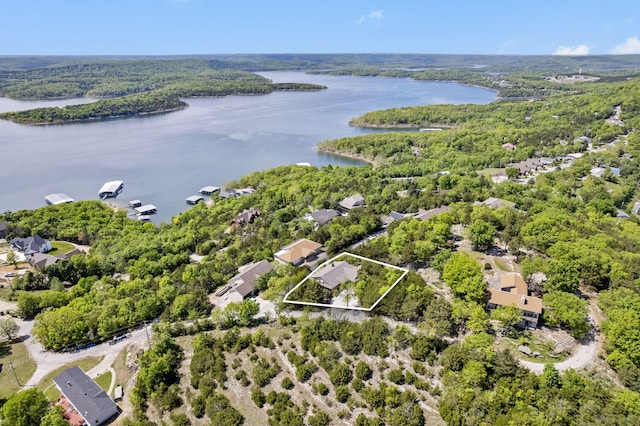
(175, 27)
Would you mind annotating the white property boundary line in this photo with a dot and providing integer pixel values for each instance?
(355, 308)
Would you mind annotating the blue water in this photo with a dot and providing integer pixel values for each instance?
(165, 158)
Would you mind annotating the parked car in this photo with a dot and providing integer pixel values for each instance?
(117, 338)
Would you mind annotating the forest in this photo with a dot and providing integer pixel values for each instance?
(430, 352)
(128, 88)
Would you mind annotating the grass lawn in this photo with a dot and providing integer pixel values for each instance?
(24, 367)
(123, 374)
(500, 264)
(60, 247)
(104, 381)
(47, 386)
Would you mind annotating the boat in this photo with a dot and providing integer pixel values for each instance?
(55, 199)
(145, 210)
(429, 129)
(111, 189)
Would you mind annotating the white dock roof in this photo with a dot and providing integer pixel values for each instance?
(209, 189)
(146, 209)
(111, 186)
(194, 199)
(58, 198)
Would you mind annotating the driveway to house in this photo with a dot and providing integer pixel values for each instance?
(586, 354)
(49, 361)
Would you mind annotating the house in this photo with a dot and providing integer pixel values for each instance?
(394, 215)
(85, 397)
(71, 253)
(499, 203)
(230, 193)
(514, 292)
(621, 214)
(29, 245)
(299, 251)
(335, 273)
(509, 146)
(245, 282)
(428, 214)
(322, 216)
(597, 171)
(245, 216)
(635, 209)
(41, 260)
(352, 202)
(4, 229)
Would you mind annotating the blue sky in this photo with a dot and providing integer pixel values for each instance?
(128, 27)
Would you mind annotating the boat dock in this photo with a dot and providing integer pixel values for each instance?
(145, 210)
(55, 199)
(135, 203)
(208, 190)
(111, 189)
(194, 199)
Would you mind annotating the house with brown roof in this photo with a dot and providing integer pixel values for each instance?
(332, 275)
(299, 251)
(428, 214)
(245, 216)
(514, 292)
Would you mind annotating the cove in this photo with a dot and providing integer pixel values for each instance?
(165, 158)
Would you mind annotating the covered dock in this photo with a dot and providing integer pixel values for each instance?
(194, 199)
(135, 203)
(208, 190)
(147, 209)
(54, 199)
(111, 189)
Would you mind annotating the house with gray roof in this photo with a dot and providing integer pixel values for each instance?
(245, 282)
(42, 260)
(30, 245)
(352, 202)
(499, 203)
(86, 397)
(322, 216)
(336, 273)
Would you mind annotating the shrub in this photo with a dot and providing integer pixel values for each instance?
(342, 394)
(286, 383)
(322, 389)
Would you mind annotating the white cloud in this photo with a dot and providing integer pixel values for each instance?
(376, 15)
(581, 50)
(629, 47)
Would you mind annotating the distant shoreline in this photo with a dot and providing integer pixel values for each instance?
(347, 155)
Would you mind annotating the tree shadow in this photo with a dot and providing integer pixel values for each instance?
(5, 349)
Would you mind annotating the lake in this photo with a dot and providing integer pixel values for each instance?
(164, 158)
